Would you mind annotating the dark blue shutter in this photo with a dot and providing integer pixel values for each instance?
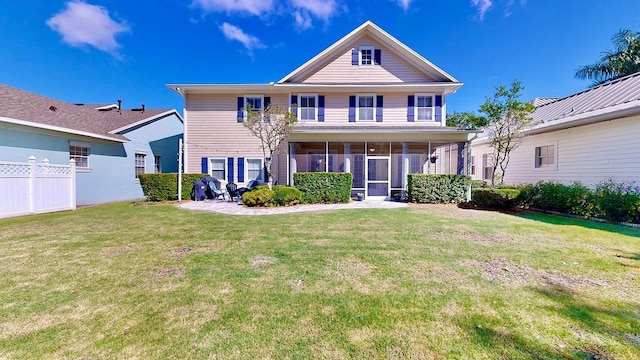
(352, 108)
(230, 169)
(240, 169)
(240, 109)
(438, 107)
(204, 165)
(379, 108)
(267, 102)
(321, 108)
(294, 105)
(354, 56)
(410, 105)
(377, 56)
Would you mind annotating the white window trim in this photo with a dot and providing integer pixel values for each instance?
(246, 96)
(472, 164)
(416, 107)
(135, 165)
(375, 109)
(373, 54)
(555, 157)
(246, 166)
(81, 145)
(224, 163)
(157, 165)
(315, 115)
(488, 164)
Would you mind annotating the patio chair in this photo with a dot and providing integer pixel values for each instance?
(217, 192)
(232, 190)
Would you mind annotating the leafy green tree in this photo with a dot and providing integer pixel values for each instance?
(622, 60)
(272, 127)
(467, 120)
(507, 116)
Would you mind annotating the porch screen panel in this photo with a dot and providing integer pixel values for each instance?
(358, 171)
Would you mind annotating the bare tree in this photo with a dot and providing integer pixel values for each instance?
(272, 127)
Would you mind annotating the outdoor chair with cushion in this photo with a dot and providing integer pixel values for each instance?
(216, 192)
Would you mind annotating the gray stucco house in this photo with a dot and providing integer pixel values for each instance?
(110, 145)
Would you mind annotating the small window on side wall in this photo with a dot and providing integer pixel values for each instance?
(545, 156)
(487, 166)
(80, 154)
(140, 164)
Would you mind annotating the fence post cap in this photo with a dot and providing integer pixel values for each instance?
(72, 161)
(45, 161)
(32, 159)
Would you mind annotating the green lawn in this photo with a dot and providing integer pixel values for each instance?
(423, 282)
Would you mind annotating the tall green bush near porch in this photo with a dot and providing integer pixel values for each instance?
(438, 189)
(164, 187)
(324, 187)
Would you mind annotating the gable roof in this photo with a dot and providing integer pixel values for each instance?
(617, 98)
(101, 122)
(371, 29)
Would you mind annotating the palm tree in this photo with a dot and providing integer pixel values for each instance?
(623, 60)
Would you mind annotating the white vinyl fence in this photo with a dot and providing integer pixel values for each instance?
(32, 188)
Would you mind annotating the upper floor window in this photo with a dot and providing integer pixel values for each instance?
(545, 156)
(424, 107)
(140, 163)
(254, 102)
(366, 107)
(218, 168)
(79, 153)
(307, 106)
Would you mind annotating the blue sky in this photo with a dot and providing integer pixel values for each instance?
(98, 51)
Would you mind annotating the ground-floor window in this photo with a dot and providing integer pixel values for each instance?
(254, 168)
(80, 154)
(218, 168)
(156, 164)
(472, 170)
(487, 166)
(545, 156)
(140, 164)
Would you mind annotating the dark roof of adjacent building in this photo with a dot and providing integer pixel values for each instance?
(103, 121)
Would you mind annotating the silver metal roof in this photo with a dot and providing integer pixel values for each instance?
(616, 92)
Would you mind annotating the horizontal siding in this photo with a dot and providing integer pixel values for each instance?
(588, 154)
(340, 71)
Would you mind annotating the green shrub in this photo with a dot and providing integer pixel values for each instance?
(617, 201)
(438, 189)
(286, 195)
(260, 196)
(164, 187)
(475, 184)
(324, 187)
(495, 198)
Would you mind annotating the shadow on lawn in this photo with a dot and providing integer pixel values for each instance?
(588, 321)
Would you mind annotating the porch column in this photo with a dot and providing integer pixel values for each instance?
(293, 167)
(460, 169)
(405, 164)
(347, 157)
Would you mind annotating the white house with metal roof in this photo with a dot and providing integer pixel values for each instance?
(589, 136)
(110, 145)
(368, 104)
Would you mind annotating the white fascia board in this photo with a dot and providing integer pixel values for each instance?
(184, 89)
(60, 129)
(147, 120)
(445, 88)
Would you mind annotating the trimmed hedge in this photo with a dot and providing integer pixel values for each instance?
(438, 189)
(279, 195)
(164, 187)
(495, 198)
(324, 187)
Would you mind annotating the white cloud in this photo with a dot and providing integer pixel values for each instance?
(81, 24)
(303, 20)
(254, 7)
(322, 9)
(482, 6)
(404, 4)
(250, 42)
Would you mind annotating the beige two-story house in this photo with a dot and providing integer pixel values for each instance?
(368, 105)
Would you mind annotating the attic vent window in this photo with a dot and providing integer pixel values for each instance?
(53, 108)
(366, 56)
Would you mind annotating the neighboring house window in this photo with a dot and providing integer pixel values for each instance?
(254, 168)
(473, 165)
(80, 154)
(140, 163)
(424, 107)
(218, 168)
(156, 164)
(366, 55)
(366, 108)
(307, 106)
(487, 166)
(545, 156)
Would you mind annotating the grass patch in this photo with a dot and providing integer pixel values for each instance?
(124, 281)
